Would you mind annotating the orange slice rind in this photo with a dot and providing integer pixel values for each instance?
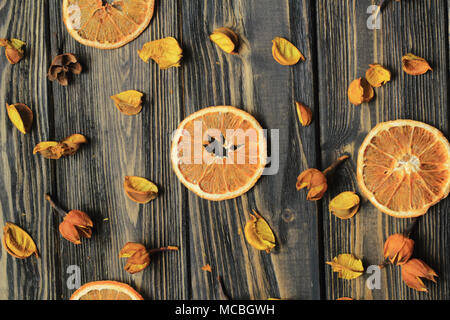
(106, 290)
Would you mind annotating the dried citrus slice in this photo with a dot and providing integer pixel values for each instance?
(104, 25)
(106, 290)
(404, 167)
(219, 152)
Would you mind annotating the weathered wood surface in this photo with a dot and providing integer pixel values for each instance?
(337, 45)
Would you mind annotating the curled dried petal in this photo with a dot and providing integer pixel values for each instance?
(259, 234)
(21, 116)
(207, 267)
(377, 75)
(315, 181)
(360, 91)
(165, 52)
(414, 65)
(285, 53)
(55, 150)
(61, 66)
(140, 189)
(13, 49)
(138, 257)
(76, 224)
(347, 266)
(398, 248)
(226, 39)
(128, 102)
(415, 269)
(304, 114)
(345, 205)
(18, 242)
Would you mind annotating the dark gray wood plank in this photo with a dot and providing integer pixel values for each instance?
(121, 145)
(254, 82)
(25, 177)
(345, 48)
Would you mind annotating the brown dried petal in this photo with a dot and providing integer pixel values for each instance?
(315, 181)
(140, 189)
(13, 49)
(21, 116)
(138, 257)
(360, 91)
(79, 219)
(62, 78)
(75, 68)
(415, 269)
(69, 232)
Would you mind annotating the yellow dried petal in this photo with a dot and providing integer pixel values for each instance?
(21, 116)
(55, 150)
(304, 114)
(165, 52)
(345, 205)
(140, 189)
(13, 49)
(128, 102)
(18, 242)
(377, 75)
(49, 149)
(285, 53)
(414, 65)
(360, 91)
(347, 266)
(258, 233)
(226, 39)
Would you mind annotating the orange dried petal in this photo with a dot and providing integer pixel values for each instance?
(377, 75)
(414, 65)
(304, 114)
(360, 91)
(18, 242)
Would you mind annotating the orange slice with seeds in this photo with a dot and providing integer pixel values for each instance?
(404, 167)
(219, 152)
(104, 25)
(106, 290)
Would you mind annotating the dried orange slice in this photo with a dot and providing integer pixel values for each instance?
(219, 152)
(404, 167)
(106, 290)
(104, 25)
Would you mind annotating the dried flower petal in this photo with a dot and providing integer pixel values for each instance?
(415, 269)
(13, 49)
(285, 53)
(347, 266)
(128, 102)
(76, 224)
(258, 233)
(55, 150)
(62, 65)
(165, 52)
(315, 181)
(398, 248)
(138, 257)
(140, 189)
(360, 91)
(304, 114)
(18, 242)
(377, 75)
(414, 65)
(226, 39)
(207, 267)
(345, 205)
(21, 116)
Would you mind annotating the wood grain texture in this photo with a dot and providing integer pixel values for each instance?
(254, 82)
(346, 46)
(24, 175)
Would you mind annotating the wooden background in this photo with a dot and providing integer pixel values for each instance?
(338, 47)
